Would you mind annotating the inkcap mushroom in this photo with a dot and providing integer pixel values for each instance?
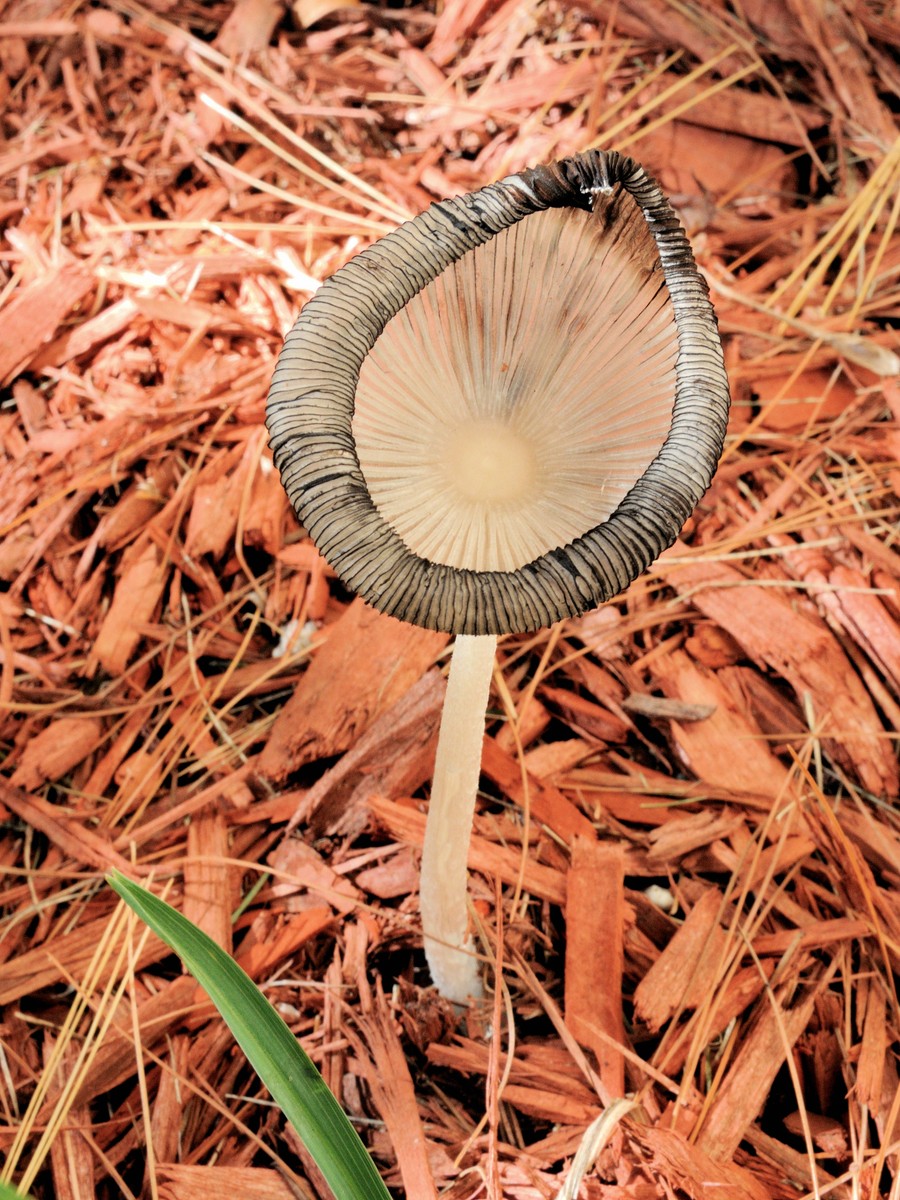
(493, 418)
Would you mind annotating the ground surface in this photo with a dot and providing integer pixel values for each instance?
(710, 763)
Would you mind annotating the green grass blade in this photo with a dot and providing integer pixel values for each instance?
(8, 1192)
(278, 1058)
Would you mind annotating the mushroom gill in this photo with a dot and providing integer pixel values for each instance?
(512, 403)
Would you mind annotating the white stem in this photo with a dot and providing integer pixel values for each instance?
(442, 891)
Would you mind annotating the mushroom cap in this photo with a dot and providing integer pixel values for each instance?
(499, 414)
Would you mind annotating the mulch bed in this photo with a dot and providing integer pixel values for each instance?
(686, 856)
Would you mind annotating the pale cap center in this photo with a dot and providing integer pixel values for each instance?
(487, 461)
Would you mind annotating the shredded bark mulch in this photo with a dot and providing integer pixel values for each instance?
(686, 858)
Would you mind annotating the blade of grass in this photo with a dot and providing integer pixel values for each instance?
(273, 1051)
(8, 1192)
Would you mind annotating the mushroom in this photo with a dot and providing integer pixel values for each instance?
(493, 418)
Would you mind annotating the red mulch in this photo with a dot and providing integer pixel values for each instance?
(687, 854)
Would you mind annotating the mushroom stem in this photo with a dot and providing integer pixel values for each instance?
(443, 888)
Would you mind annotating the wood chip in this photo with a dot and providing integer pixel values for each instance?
(801, 649)
(56, 750)
(368, 662)
(763, 1049)
(688, 968)
(595, 921)
(33, 317)
(385, 1068)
